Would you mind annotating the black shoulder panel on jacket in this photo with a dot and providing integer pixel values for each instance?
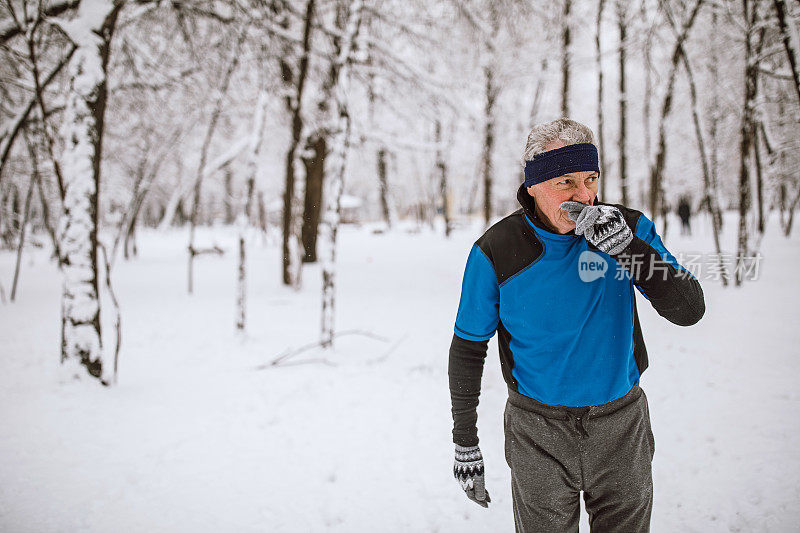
(511, 245)
(631, 216)
(639, 347)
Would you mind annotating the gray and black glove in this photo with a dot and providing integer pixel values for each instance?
(468, 470)
(602, 225)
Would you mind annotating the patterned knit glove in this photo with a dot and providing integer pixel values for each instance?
(602, 225)
(468, 470)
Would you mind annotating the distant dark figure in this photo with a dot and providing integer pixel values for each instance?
(685, 214)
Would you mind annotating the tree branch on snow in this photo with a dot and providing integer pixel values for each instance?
(281, 359)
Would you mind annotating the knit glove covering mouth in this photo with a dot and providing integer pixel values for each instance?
(602, 225)
(468, 470)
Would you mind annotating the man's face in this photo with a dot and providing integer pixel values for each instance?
(577, 186)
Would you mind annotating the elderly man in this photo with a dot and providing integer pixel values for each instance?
(556, 280)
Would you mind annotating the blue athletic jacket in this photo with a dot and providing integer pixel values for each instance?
(565, 313)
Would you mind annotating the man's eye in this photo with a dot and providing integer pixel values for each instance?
(592, 178)
(563, 182)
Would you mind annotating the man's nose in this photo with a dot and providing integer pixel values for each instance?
(582, 194)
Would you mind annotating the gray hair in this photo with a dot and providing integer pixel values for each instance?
(565, 129)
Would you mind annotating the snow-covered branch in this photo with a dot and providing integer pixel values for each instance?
(10, 132)
(11, 29)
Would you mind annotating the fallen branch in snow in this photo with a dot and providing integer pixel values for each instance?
(314, 360)
(363, 333)
(286, 354)
(386, 355)
(200, 251)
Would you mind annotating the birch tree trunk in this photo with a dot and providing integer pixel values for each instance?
(747, 134)
(82, 131)
(648, 91)
(230, 218)
(623, 102)
(383, 184)
(565, 59)
(253, 155)
(294, 192)
(759, 185)
(714, 121)
(598, 62)
(441, 167)
(382, 152)
(488, 144)
(315, 177)
(334, 184)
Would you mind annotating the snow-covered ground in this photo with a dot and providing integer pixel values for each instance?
(196, 437)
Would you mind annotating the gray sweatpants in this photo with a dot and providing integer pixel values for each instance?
(604, 450)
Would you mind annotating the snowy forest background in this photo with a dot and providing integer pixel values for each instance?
(232, 235)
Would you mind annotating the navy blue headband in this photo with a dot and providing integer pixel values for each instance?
(554, 163)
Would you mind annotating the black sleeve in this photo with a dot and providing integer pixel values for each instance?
(465, 368)
(674, 294)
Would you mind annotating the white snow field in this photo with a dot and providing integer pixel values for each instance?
(194, 437)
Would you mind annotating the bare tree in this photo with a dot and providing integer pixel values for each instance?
(716, 214)
(710, 197)
(652, 23)
(600, 126)
(657, 167)
(441, 167)
(382, 151)
(383, 183)
(748, 129)
(314, 162)
(294, 191)
(622, 24)
(340, 127)
(81, 341)
(565, 58)
(216, 112)
(791, 41)
(488, 143)
(245, 215)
